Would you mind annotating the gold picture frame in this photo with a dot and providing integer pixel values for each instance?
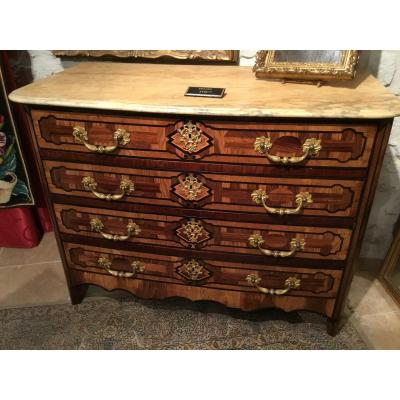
(391, 267)
(223, 56)
(306, 65)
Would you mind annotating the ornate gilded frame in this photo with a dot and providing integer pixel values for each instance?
(228, 56)
(392, 260)
(19, 159)
(266, 67)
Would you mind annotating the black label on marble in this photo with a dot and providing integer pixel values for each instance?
(198, 91)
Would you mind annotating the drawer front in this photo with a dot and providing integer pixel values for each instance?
(335, 145)
(264, 195)
(267, 241)
(207, 273)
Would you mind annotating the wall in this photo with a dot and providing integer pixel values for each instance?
(385, 65)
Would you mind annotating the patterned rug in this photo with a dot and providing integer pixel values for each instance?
(125, 322)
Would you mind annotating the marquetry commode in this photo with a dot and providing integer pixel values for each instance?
(256, 200)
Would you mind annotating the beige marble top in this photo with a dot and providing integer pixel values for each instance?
(160, 88)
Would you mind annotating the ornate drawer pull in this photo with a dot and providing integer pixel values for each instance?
(290, 283)
(137, 268)
(191, 186)
(190, 137)
(259, 196)
(255, 240)
(132, 229)
(193, 271)
(311, 148)
(121, 138)
(126, 187)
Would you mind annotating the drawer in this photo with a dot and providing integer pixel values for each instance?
(133, 265)
(266, 241)
(247, 194)
(237, 142)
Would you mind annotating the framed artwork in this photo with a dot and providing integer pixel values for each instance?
(14, 182)
(306, 65)
(390, 272)
(217, 56)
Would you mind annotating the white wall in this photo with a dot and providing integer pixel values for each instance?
(386, 208)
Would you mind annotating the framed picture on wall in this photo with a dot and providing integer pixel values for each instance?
(390, 271)
(14, 181)
(208, 56)
(306, 65)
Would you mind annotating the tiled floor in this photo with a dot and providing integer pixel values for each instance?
(374, 313)
(35, 276)
(32, 276)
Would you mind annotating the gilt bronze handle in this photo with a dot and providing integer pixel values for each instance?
(311, 148)
(121, 138)
(256, 240)
(126, 186)
(290, 283)
(191, 186)
(137, 268)
(259, 196)
(132, 229)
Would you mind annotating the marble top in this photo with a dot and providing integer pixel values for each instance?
(160, 88)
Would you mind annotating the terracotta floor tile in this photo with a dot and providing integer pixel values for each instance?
(368, 296)
(35, 284)
(47, 251)
(380, 331)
